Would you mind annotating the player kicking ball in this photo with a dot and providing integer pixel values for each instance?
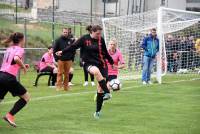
(12, 62)
(94, 55)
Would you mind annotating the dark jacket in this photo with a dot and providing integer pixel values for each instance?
(93, 51)
(150, 48)
(60, 44)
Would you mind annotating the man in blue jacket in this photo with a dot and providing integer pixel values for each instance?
(150, 45)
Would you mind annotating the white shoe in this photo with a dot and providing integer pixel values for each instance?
(144, 83)
(70, 84)
(93, 84)
(96, 115)
(85, 84)
(52, 86)
(149, 82)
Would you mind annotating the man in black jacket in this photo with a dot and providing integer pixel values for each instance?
(64, 61)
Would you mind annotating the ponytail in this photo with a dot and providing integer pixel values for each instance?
(14, 38)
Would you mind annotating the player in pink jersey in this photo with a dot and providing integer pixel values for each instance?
(47, 64)
(12, 62)
(117, 58)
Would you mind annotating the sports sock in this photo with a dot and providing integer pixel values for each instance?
(99, 102)
(18, 106)
(103, 85)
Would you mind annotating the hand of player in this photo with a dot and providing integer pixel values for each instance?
(114, 67)
(59, 53)
(27, 66)
(25, 69)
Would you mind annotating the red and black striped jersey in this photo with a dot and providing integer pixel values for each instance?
(93, 51)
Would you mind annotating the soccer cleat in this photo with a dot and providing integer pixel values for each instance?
(149, 82)
(10, 119)
(70, 84)
(93, 84)
(107, 96)
(85, 84)
(144, 83)
(97, 115)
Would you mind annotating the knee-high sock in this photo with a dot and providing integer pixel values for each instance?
(92, 77)
(103, 85)
(70, 77)
(99, 102)
(85, 74)
(18, 106)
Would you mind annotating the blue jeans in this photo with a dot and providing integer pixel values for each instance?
(147, 67)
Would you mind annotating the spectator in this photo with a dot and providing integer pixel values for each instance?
(47, 64)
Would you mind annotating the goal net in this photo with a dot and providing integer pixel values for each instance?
(178, 32)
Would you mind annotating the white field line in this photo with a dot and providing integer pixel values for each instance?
(89, 92)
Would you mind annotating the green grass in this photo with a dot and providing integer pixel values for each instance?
(12, 6)
(39, 34)
(170, 108)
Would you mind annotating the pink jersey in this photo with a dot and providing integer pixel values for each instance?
(46, 59)
(117, 57)
(9, 64)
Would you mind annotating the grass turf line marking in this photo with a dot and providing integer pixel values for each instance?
(83, 93)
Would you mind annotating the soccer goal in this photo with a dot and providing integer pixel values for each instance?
(177, 31)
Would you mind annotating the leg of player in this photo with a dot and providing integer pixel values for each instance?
(99, 102)
(85, 76)
(71, 75)
(101, 81)
(16, 108)
(92, 79)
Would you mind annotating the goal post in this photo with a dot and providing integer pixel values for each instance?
(177, 31)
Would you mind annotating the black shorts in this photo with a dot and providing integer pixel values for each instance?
(47, 69)
(9, 83)
(112, 77)
(103, 71)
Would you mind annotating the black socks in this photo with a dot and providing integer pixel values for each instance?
(18, 106)
(70, 77)
(99, 102)
(103, 85)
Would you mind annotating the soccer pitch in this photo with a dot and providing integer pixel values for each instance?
(170, 108)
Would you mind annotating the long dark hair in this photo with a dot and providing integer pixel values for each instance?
(14, 38)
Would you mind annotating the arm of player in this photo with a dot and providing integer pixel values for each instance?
(77, 44)
(122, 62)
(107, 55)
(18, 60)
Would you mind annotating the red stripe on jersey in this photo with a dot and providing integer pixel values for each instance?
(100, 52)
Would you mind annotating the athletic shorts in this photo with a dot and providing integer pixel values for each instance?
(103, 71)
(112, 77)
(9, 83)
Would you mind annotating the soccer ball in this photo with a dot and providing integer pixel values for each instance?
(115, 84)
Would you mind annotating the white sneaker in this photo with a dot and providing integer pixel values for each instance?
(52, 86)
(93, 84)
(85, 84)
(149, 82)
(96, 115)
(144, 83)
(70, 84)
